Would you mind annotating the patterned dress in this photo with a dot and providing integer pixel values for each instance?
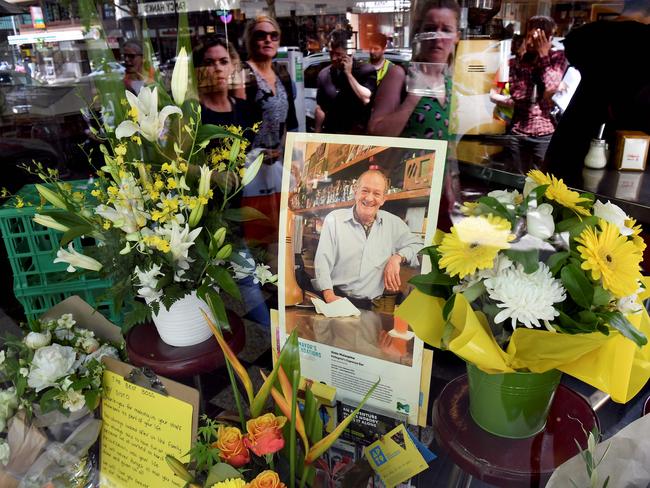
(430, 118)
(274, 112)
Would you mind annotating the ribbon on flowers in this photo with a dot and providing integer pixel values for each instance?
(610, 363)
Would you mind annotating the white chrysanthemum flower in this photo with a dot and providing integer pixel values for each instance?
(525, 298)
(501, 263)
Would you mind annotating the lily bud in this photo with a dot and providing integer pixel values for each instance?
(224, 252)
(195, 215)
(219, 237)
(204, 182)
(51, 196)
(180, 76)
(76, 259)
(47, 221)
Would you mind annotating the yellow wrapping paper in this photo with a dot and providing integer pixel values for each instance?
(610, 363)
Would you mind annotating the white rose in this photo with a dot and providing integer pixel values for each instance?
(614, 215)
(23, 371)
(49, 364)
(89, 345)
(539, 221)
(5, 452)
(74, 401)
(35, 340)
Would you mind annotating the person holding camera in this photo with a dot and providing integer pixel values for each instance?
(345, 89)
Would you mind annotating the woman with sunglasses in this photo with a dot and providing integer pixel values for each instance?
(216, 64)
(268, 86)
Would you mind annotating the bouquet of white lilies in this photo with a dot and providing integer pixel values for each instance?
(160, 208)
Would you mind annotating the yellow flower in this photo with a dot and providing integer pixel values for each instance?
(133, 113)
(100, 173)
(107, 224)
(230, 483)
(182, 167)
(78, 196)
(610, 257)
(560, 193)
(113, 191)
(124, 101)
(120, 150)
(473, 244)
(158, 185)
(469, 208)
(221, 167)
(171, 183)
(20, 203)
(167, 168)
(136, 139)
(637, 240)
(96, 193)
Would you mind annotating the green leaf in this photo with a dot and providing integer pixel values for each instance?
(48, 402)
(557, 260)
(69, 219)
(217, 307)
(243, 214)
(578, 285)
(221, 472)
(528, 259)
(474, 291)
(224, 280)
(601, 296)
(572, 326)
(433, 278)
(92, 399)
(618, 321)
(208, 132)
(449, 306)
(496, 207)
(75, 232)
(588, 317)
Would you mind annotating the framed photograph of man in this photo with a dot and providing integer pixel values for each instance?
(355, 213)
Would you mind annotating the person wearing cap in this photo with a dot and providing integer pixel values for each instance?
(361, 249)
(376, 49)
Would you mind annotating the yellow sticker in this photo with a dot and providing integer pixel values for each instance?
(140, 427)
(395, 458)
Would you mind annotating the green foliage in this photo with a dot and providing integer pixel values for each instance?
(578, 285)
(202, 455)
(528, 259)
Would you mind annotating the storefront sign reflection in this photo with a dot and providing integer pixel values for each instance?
(173, 6)
(37, 17)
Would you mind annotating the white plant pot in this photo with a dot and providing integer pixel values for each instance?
(183, 324)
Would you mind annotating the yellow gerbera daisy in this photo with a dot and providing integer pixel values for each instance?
(469, 208)
(610, 257)
(230, 483)
(637, 240)
(473, 244)
(560, 193)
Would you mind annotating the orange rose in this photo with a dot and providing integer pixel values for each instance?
(265, 434)
(267, 479)
(231, 446)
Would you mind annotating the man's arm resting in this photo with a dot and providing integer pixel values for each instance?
(392, 281)
(329, 296)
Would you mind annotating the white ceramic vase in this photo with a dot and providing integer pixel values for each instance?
(183, 324)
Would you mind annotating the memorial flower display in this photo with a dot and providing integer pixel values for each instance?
(540, 280)
(161, 207)
(262, 450)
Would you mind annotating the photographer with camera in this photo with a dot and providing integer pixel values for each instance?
(345, 89)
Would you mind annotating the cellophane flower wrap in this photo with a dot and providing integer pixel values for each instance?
(163, 206)
(548, 278)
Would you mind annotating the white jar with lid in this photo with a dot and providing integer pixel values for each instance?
(596, 158)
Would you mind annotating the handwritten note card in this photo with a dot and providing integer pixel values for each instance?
(141, 427)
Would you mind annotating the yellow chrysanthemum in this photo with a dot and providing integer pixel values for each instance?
(473, 244)
(560, 193)
(230, 483)
(610, 257)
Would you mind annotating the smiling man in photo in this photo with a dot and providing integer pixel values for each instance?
(361, 249)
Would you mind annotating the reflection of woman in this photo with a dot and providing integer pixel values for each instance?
(397, 113)
(268, 87)
(216, 63)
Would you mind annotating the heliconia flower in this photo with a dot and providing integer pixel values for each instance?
(150, 122)
(76, 259)
(180, 76)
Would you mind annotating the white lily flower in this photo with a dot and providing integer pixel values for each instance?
(76, 259)
(127, 213)
(263, 275)
(180, 240)
(614, 215)
(148, 281)
(505, 197)
(539, 221)
(47, 221)
(180, 76)
(150, 122)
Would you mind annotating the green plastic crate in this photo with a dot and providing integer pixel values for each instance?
(39, 299)
(31, 248)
